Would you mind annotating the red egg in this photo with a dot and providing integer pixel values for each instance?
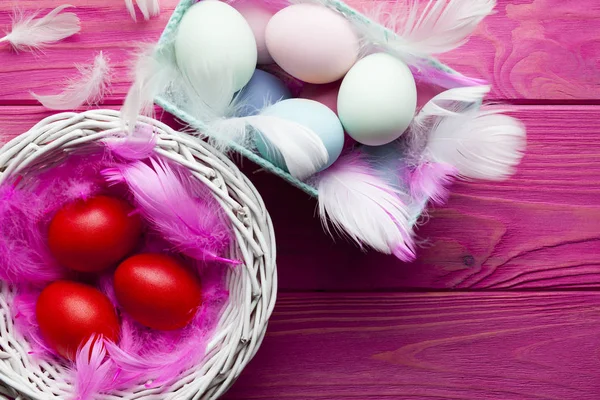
(94, 234)
(68, 313)
(157, 291)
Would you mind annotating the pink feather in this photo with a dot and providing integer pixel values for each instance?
(92, 372)
(164, 196)
(23, 310)
(432, 181)
(24, 255)
(137, 146)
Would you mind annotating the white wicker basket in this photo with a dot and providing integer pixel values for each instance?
(252, 286)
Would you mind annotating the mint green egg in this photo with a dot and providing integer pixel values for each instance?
(311, 114)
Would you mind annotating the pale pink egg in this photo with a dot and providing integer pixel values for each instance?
(258, 18)
(312, 43)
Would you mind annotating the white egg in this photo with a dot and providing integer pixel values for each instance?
(214, 37)
(377, 99)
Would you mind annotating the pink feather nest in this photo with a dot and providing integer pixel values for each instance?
(181, 218)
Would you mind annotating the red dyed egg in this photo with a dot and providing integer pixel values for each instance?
(157, 291)
(68, 313)
(94, 234)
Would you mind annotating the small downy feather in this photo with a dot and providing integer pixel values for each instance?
(148, 8)
(31, 33)
(360, 205)
(438, 27)
(88, 89)
(164, 195)
(480, 144)
(92, 370)
(431, 181)
(301, 149)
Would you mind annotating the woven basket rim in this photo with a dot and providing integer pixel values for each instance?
(252, 285)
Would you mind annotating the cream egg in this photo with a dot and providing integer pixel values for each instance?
(377, 99)
(214, 37)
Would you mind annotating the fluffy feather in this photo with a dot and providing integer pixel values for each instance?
(360, 205)
(89, 88)
(438, 27)
(148, 8)
(480, 144)
(431, 181)
(449, 103)
(151, 74)
(23, 311)
(24, 255)
(30, 33)
(164, 195)
(301, 149)
(427, 73)
(137, 146)
(92, 370)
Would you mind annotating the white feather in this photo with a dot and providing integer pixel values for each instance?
(451, 102)
(131, 8)
(205, 97)
(301, 149)
(30, 33)
(360, 205)
(438, 27)
(151, 74)
(148, 8)
(89, 88)
(480, 144)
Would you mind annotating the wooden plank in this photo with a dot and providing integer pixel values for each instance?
(428, 346)
(540, 229)
(536, 50)
(106, 26)
(540, 50)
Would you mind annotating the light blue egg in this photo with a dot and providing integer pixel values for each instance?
(313, 115)
(263, 89)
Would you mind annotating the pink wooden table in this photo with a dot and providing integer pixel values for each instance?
(503, 302)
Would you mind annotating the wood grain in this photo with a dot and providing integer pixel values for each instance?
(503, 346)
(106, 26)
(530, 50)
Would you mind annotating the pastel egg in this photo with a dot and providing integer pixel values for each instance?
(324, 94)
(263, 90)
(313, 115)
(214, 37)
(377, 99)
(312, 43)
(258, 18)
